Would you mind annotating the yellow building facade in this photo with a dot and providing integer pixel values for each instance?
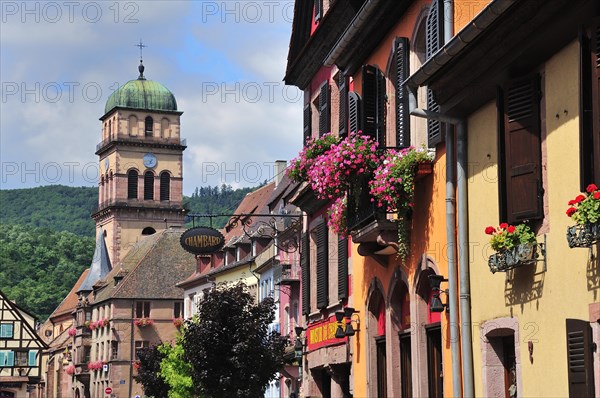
(522, 83)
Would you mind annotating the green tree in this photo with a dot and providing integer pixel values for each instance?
(176, 371)
(229, 347)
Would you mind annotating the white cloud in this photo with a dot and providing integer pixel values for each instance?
(190, 49)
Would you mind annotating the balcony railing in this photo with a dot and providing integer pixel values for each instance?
(175, 205)
(361, 210)
(141, 140)
(289, 274)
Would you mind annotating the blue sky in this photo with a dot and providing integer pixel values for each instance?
(223, 60)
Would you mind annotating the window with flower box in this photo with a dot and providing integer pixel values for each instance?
(142, 309)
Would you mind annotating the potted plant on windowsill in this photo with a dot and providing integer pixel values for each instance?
(178, 322)
(585, 211)
(515, 246)
(393, 187)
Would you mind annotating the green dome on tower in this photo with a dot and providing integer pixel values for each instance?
(142, 94)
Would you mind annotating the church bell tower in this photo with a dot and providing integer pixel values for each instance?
(141, 165)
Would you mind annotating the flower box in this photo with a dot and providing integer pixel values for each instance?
(522, 254)
(423, 170)
(584, 235)
(143, 322)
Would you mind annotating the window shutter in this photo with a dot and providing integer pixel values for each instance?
(589, 128)
(165, 186)
(522, 150)
(148, 185)
(580, 358)
(342, 268)
(307, 122)
(402, 115)
(343, 113)
(324, 110)
(10, 358)
(32, 356)
(433, 42)
(305, 265)
(322, 267)
(318, 10)
(595, 55)
(354, 112)
(2, 358)
(132, 184)
(373, 104)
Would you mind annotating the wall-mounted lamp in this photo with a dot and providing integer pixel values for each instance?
(436, 304)
(298, 346)
(346, 316)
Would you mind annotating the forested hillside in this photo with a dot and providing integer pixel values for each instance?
(47, 238)
(57, 207)
(39, 266)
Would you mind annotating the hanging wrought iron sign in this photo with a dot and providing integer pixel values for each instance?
(202, 240)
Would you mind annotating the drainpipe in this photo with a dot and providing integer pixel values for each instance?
(450, 229)
(451, 205)
(464, 262)
(460, 184)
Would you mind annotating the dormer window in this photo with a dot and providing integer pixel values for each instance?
(149, 125)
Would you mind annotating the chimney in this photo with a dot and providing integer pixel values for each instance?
(280, 166)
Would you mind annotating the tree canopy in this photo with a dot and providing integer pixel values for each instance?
(229, 347)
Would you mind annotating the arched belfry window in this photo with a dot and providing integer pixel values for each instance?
(149, 124)
(110, 130)
(165, 186)
(132, 184)
(148, 185)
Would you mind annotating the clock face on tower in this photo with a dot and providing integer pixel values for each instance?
(149, 160)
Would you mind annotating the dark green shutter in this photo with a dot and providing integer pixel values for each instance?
(342, 268)
(307, 122)
(305, 265)
(322, 266)
(402, 115)
(522, 150)
(324, 110)
(433, 42)
(354, 112)
(373, 103)
(580, 358)
(343, 113)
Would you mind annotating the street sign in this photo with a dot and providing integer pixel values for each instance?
(108, 390)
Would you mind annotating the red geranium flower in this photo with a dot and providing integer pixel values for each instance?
(490, 230)
(511, 229)
(572, 202)
(597, 195)
(571, 211)
(504, 225)
(579, 198)
(591, 188)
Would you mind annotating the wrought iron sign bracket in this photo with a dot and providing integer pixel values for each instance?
(262, 226)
